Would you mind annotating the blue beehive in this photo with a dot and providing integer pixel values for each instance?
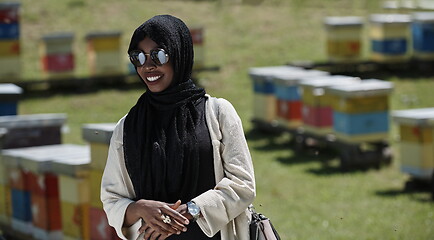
(423, 35)
(389, 37)
(9, 96)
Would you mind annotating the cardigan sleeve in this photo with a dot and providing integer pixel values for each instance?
(116, 187)
(236, 189)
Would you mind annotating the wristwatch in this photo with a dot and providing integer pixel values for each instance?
(194, 210)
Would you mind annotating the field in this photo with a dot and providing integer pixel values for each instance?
(304, 194)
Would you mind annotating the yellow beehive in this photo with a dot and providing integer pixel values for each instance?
(416, 134)
(75, 220)
(369, 95)
(104, 53)
(417, 159)
(95, 177)
(98, 154)
(416, 142)
(344, 42)
(264, 107)
(9, 47)
(104, 41)
(73, 173)
(98, 136)
(10, 67)
(105, 63)
(313, 91)
(5, 204)
(359, 104)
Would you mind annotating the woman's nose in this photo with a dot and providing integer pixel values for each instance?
(149, 64)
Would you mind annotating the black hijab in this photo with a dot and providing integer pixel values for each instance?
(160, 145)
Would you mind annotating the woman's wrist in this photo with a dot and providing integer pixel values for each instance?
(131, 215)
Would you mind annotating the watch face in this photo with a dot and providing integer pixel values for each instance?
(193, 209)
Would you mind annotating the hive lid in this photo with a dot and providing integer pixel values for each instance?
(98, 132)
(297, 77)
(423, 16)
(390, 18)
(10, 89)
(73, 165)
(416, 117)
(369, 87)
(58, 36)
(32, 120)
(103, 34)
(40, 159)
(267, 73)
(343, 21)
(7, 5)
(331, 80)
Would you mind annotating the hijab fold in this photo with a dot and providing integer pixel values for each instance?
(160, 145)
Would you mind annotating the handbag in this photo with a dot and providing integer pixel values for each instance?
(261, 227)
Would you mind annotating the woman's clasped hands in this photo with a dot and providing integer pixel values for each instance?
(160, 220)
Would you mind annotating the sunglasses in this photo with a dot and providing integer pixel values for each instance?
(158, 56)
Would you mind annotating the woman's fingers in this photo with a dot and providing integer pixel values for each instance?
(176, 205)
(175, 215)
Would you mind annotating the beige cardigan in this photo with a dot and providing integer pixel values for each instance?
(224, 208)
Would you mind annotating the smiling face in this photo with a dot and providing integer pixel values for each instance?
(157, 78)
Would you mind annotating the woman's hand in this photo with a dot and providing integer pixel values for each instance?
(159, 219)
(183, 210)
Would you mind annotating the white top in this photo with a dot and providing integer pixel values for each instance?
(427, 17)
(390, 18)
(224, 208)
(414, 117)
(343, 21)
(369, 87)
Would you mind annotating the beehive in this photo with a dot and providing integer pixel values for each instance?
(264, 99)
(344, 38)
(317, 110)
(198, 37)
(423, 35)
(287, 92)
(390, 37)
(32, 130)
(57, 55)
(416, 141)
(42, 185)
(18, 184)
(10, 41)
(73, 174)
(98, 136)
(9, 97)
(104, 53)
(361, 111)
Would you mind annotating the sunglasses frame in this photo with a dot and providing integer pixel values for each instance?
(134, 55)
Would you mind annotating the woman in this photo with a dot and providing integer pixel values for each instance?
(178, 165)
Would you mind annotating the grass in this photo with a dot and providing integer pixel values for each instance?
(304, 194)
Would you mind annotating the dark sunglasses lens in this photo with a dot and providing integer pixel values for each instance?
(138, 58)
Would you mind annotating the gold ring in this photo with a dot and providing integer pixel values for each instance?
(166, 219)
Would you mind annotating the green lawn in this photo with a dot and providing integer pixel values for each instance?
(303, 193)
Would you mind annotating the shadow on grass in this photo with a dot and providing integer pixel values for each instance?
(270, 141)
(418, 190)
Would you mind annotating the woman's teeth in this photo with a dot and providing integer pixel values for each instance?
(154, 78)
